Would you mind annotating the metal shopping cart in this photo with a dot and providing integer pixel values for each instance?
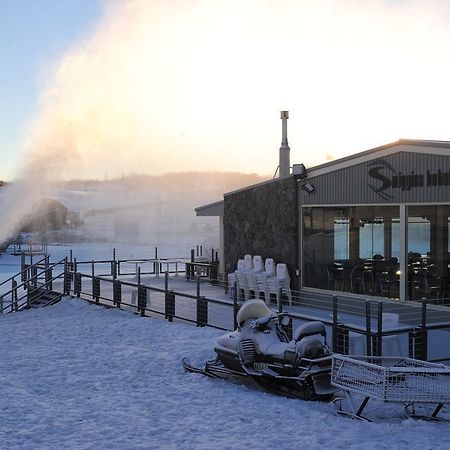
(390, 379)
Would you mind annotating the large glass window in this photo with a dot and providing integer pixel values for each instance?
(351, 249)
(428, 252)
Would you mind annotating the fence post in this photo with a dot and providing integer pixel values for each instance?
(113, 265)
(235, 305)
(192, 255)
(34, 273)
(424, 355)
(166, 281)
(142, 300)
(22, 266)
(335, 324)
(48, 279)
(117, 293)
(379, 340)
(202, 307)
(66, 289)
(198, 286)
(169, 306)
(14, 305)
(369, 350)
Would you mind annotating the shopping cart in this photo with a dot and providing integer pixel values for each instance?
(390, 379)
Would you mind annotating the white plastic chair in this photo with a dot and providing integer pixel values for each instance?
(269, 266)
(254, 285)
(242, 284)
(258, 264)
(232, 277)
(280, 283)
(244, 266)
(248, 263)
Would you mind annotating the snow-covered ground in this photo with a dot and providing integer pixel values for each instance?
(81, 376)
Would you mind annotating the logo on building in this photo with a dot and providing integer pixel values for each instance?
(383, 178)
(380, 177)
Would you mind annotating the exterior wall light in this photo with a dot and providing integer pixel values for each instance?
(307, 187)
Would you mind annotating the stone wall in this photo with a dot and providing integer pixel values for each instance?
(262, 220)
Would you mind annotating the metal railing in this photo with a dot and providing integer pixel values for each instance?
(353, 327)
(36, 279)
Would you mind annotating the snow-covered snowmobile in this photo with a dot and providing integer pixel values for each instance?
(260, 349)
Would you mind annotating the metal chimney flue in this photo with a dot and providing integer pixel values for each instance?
(285, 158)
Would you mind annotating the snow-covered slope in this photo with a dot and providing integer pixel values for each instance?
(80, 376)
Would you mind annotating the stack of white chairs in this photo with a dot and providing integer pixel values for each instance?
(254, 285)
(232, 277)
(241, 276)
(265, 279)
(279, 284)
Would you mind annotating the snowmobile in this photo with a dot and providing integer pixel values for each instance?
(260, 350)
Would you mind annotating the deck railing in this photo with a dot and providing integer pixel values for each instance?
(353, 327)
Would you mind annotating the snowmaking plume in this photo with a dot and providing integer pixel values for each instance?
(193, 85)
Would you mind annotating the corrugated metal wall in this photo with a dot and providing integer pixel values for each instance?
(374, 181)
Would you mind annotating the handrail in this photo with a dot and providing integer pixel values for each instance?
(34, 277)
(17, 303)
(22, 271)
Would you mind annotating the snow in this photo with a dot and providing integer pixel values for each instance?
(80, 376)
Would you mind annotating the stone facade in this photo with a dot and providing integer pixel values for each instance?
(262, 220)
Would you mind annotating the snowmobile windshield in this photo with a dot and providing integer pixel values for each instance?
(253, 310)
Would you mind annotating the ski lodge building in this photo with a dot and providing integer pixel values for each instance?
(375, 223)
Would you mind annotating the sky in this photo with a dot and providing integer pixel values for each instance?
(109, 87)
(33, 35)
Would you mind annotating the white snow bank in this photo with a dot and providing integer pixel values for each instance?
(80, 376)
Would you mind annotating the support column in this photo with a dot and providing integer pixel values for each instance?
(403, 252)
(221, 250)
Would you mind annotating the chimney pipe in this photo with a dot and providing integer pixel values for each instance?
(285, 163)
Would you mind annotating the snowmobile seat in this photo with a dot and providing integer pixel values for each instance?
(312, 348)
(252, 309)
(309, 329)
